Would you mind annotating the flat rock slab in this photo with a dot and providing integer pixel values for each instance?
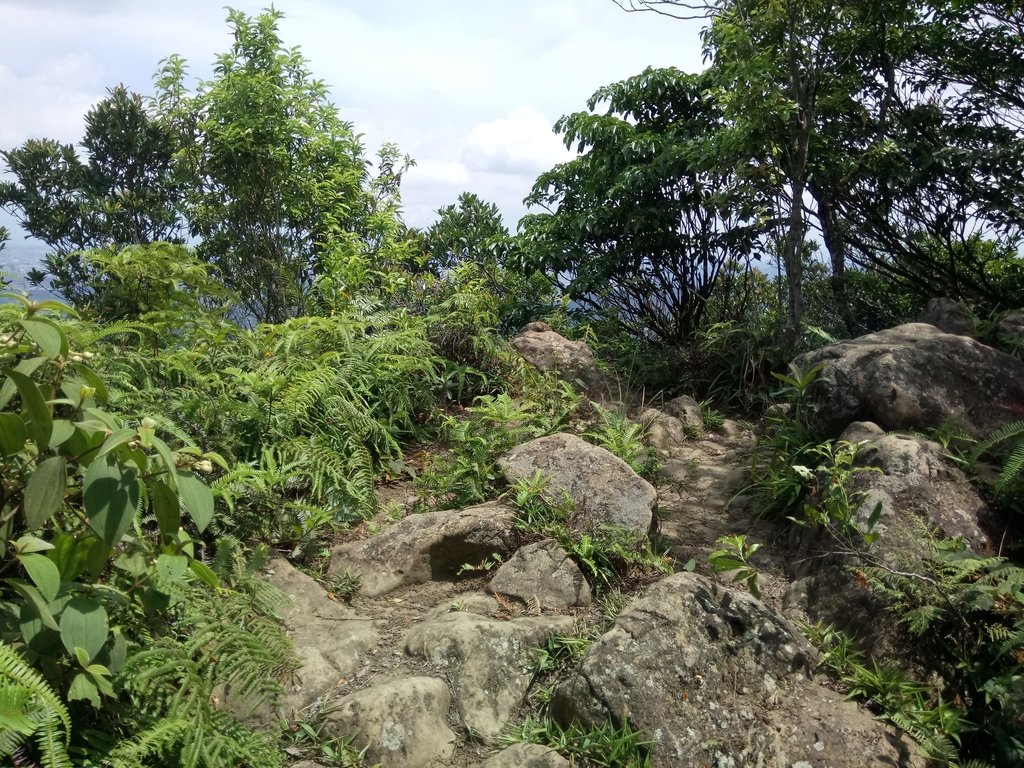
(544, 573)
(331, 642)
(526, 756)
(426, 547)
(486, 660)
(713, 677)
(402, 723)
(603, 487)
(914, 377)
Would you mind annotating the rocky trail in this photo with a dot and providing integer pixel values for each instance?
(424, 667)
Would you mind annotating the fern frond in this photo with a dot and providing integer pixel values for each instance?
(40, 712)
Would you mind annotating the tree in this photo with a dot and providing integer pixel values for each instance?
(122, 193)
(470, 229)
(279, 181)
(640, 225)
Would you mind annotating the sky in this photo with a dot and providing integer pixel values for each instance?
(469, 89)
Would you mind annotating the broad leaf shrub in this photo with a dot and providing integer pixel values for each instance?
(115, 627)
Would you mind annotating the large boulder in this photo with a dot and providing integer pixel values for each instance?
(401, 724)
(713, 677)
(914, 377)
(543, 573)
(486, 659)
(603, 487)
(921, 494)
(1009, 331)
(426, 547)
(572, 361)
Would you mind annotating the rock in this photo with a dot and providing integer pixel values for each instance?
(712, 677)
(1009, 331)
(544, 572)
(949, 316)
(526, 756)
(402, 723)
(914, 377)
(427, 547)
(487, 660)
(603, 487)
(686, 409)
(664, 433)
(732, 431)
(920, 493)
(860, 431)
(572, 361)
(915, 478)
(331, 642)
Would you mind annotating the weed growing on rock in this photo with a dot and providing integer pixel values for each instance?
(602, 745)
(733, 554)
(625, 439)
(607, 554)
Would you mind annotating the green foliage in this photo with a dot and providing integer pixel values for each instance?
(124, 192)
(306, 740)
(1011, 439)
(643, 221)
(466, 472)
(278, 191)
(967, 610)
(733, 555)
(603, 746)
(608, 555)
(624, 438)
(919, 709)
(105, 593)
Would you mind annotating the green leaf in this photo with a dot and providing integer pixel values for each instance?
(47, 334)
(35, 602)
(27, 367)
(71, 555)
(12, 434)
(62, 432)
(168, 460)
(44, 492)
(44, 574)
(120, 437)
(197, 498)
(40, 424)
(26, 545)
(171, 567)
(166, 507)
(94, 381)
(111, 496)
(83, 688)
(205, 574)
(83, 624)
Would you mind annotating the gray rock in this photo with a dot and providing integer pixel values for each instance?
(331, 642)
(486, 660)
(920, 493)
(915, 478)
(402, 723)
(1009, 331)
(914, 377)
(572, 361)
(713, 677)
(859, 431)
(603, 487)
(949, 316)
(664, 433)
(686, 409)
(426, 547)
(526, 756)
(542, 571)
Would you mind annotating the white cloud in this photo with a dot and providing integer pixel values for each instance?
(522, 143)
(49, 102)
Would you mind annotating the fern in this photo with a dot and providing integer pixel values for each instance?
(1013, 464)
(29, 707)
